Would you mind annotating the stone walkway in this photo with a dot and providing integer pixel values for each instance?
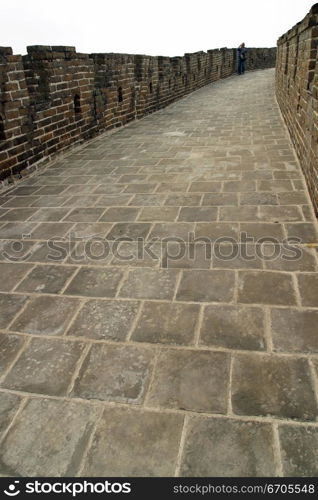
(134, 358)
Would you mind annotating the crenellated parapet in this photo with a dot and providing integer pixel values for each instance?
(55, 97)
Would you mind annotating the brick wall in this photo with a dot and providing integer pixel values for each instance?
(297, 93)
(54, 97)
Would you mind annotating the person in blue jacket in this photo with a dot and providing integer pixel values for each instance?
(241, 55)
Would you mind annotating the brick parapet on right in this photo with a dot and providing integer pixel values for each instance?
(297, 93)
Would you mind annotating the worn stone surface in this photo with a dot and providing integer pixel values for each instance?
(104, 320)
(217, 447)
(9, 306)
(149, 284)
(10, 345)
(295, 330)
(206, 286)
(128, 442)
(129, 231)
(45, 366)
(46, 279)
(167, 323)
(52, 444)
(308, 288)
(233, 327)
(9, 404)
(151, 338)
(191, 380)
(45, 316)
(95, 282)
(299, 450)
(11, 274)
(115, 373)
(266, 288)
(120, 214)
(277, 386)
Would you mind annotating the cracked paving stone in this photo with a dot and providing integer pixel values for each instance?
(233, 327)
(20, 201)
(10, 345)
(140, 188)
(11, 273)
(98, 282)
(129, 231)
(46, 279)
(90, 230)
(171, 230)
(18, 214)
(105, 320)
(52, 444)
(46, 315)
(115, 373)
(109, 189)
(49, 214)
(51, 201)
(264, 385)
(51, 190)
(219, 447)
(17, 230)
(206, 286)
(167, 323)
(113, 200)
(9, 306)
(24, 190)
(130, 443)
(45, 367)
(191, 380)
(84, 215)
(299, 450)
(9, 404)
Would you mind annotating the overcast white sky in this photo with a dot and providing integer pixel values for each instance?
(162, 27)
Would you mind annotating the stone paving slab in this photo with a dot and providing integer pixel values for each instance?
(158, 299)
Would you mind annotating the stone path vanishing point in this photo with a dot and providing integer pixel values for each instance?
(200, 365)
